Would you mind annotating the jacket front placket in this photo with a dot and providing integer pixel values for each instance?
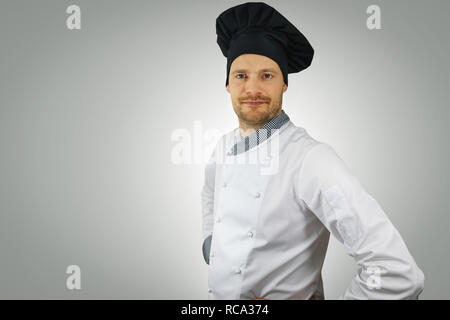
(242, 186)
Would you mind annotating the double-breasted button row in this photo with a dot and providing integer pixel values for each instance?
(256, 195)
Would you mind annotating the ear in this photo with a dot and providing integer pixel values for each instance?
(228, 88)
(284, 88)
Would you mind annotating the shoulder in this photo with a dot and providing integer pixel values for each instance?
(299, 142)
(314, 150)
(322, 166)
(317, 159)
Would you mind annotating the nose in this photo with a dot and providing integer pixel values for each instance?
(252, 87)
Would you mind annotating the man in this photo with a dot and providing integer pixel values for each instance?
(266, 232)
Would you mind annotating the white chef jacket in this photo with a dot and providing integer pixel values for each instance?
(270, 228)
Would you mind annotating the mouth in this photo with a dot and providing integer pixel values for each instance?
(254, 103)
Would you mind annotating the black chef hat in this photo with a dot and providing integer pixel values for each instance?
(255, 27)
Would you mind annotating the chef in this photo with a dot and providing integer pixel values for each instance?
(273, 194)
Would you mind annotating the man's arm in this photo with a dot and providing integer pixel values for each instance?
(386, 268)
(207, 196)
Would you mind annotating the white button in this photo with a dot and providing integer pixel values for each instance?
(209, 290)
(237, 270)
(224, 184)
(257, 195)
(268, 157)
(250, 234)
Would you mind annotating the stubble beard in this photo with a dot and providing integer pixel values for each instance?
(260, 115)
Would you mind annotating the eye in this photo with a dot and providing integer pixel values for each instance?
(265, 74)
(239, 74)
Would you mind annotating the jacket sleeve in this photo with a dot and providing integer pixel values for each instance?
(386, 268)
(207, 202)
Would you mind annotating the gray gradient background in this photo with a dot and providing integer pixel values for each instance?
(86, 118)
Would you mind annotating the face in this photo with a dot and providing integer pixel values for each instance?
(255, 78)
